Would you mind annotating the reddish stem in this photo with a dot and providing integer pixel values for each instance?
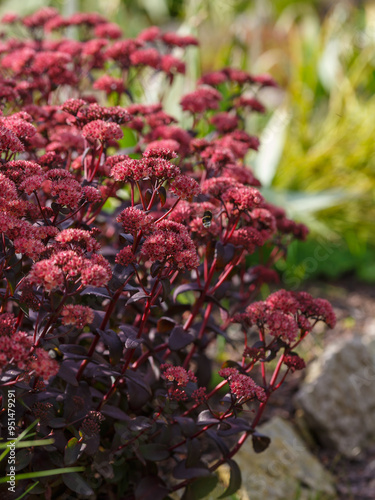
(169, 211)
(96, 339)
(200, 335)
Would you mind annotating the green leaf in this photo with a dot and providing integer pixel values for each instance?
(45, 473)
(200, 488)
(28, 444)
(272, 143)
(234, 481)
(72, 451)
(19, 438)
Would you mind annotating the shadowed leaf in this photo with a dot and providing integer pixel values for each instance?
(234, 481)
(260, 442)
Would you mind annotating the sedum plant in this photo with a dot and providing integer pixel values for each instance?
(128, 246)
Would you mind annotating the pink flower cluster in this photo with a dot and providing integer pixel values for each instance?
(284, 314)
(77, 315)
(242, 386)
(170, 243)
(133, 220)
(178, 378)
(15, 351)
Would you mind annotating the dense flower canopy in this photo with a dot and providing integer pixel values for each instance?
(129, 243)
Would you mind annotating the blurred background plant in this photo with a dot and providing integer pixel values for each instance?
(317, 159)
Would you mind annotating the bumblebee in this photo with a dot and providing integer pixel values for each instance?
(55, 353)
(207, 218)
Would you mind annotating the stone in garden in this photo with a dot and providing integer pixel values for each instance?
(285, 470)
(338, 396)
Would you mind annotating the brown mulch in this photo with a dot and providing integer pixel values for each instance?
(354, 305)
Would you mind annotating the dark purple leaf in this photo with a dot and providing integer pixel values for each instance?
(179, 338)
(154, 452)
(127, 237)
(155, 268)
(235, 479)
(130, 288)
(183, 472)
(166, 284)
(114, 344)
(132, 343)
(68, 371)
(186, 288)
(128, 336)
(91, 444)
(224, 426)
(260, 442)
(205, 417)
(98, 291)
(23, 458)
(11, 278)
(140, 423)
(259, 344)
(165, 325)
(187, 425)
(137, 378)
(194, 452)
(220, 255)
(223, 289)
(119, 275)
(72, 451)
(213, 299)
(128, 330)
(162, 195)
(218, 441)
(116, 413)
(64, 211)
(57, 422)
(73, 349)
(151, 488)
(215, 328)
(75, 483)
(148, 195)
(138, 390)
(98, 319)
(137, 296)
(231, 364)
(237, 425)
(55, 207)
(204, 369)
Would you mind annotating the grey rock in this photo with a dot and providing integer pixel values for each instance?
(338, 396)
(286, 470)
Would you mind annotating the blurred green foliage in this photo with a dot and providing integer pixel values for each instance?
(319, 163)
